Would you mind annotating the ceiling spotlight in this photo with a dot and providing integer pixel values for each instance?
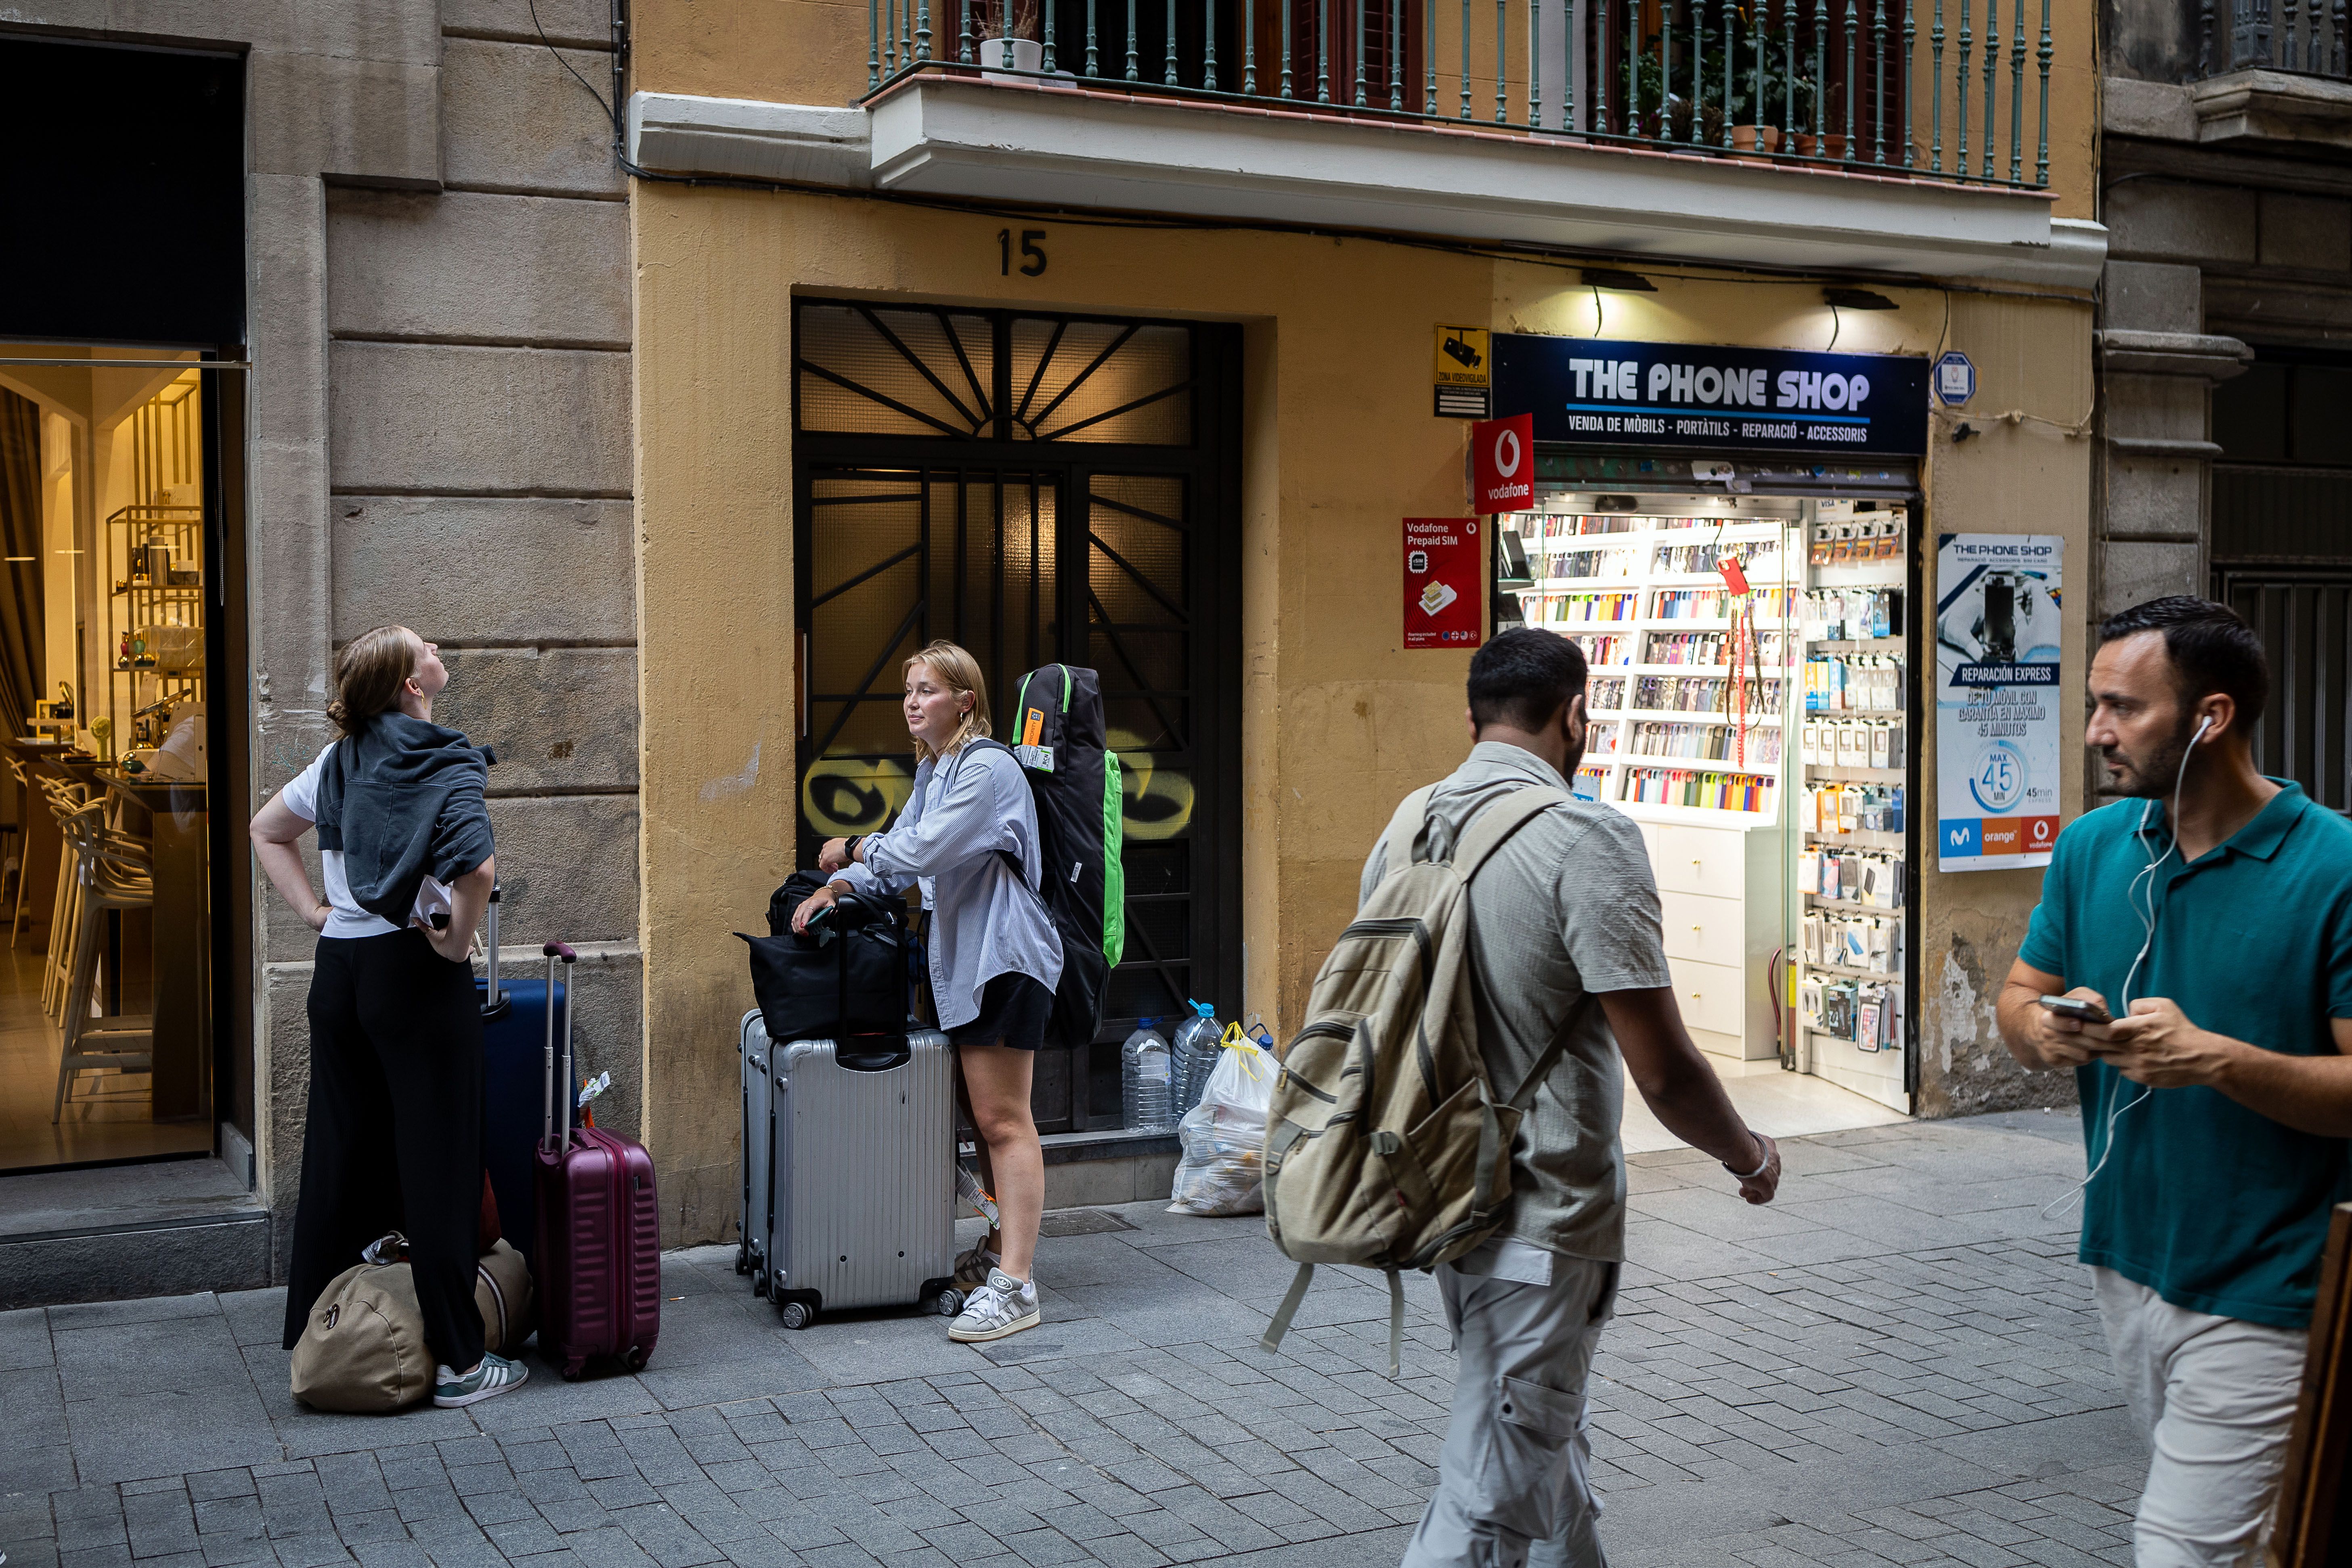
(1858, 299)
(1626, 282)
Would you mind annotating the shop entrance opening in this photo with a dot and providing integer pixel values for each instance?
(1040, 490)
(1751, 706)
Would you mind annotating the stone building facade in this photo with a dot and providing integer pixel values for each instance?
(439, 332)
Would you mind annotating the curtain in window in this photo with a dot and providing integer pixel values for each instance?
(20, 532)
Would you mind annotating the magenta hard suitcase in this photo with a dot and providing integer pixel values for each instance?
(599, 1253)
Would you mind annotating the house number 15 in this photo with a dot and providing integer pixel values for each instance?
(1032, 256)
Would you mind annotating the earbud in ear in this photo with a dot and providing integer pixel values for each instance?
(2202, 728)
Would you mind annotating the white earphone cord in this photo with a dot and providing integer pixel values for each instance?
(2147, 920)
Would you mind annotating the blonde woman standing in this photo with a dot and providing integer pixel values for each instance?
(394, 1137)
(995, 956)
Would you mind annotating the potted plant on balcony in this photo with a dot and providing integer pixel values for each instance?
(1826, 143)
(1686, 104)
(1783, 97)
(1020, 26)
(1673, 116)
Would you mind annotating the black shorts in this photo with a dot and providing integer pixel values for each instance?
(1012, 1012)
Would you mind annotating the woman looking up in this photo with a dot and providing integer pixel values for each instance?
(394, 1135)
(995, 956)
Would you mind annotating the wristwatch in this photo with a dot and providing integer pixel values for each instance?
(849, 847)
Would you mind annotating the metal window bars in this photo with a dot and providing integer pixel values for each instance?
(1866, 85)
(2307, 38)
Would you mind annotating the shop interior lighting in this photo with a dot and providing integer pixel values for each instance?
(1623, 282)
(1858, 299)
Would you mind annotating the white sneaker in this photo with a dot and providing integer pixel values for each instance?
(494, 1376)
(1002, 1306)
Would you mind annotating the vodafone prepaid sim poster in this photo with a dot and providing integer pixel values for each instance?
(1444, 576)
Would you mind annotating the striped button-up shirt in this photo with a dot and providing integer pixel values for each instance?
(984, 921)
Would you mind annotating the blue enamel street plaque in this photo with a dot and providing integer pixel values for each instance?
(1589, 392)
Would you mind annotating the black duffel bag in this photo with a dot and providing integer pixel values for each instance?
(844, 977)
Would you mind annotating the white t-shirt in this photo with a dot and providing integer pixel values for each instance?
(301, 798)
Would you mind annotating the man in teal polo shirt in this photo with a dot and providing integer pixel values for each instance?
(2209, 911)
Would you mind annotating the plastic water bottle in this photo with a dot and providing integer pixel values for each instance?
(1195, 1054)
(1146, 1081)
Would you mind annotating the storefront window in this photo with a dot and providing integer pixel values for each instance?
(105, 1016)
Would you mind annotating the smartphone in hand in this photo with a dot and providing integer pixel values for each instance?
(2082, 1009)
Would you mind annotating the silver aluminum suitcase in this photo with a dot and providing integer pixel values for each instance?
(758, 1192)
(862, 1176)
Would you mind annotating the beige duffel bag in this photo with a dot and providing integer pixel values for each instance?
(364, 1349)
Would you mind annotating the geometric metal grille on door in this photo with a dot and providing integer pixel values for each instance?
(1037, 489)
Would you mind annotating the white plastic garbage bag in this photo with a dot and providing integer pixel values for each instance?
(1222, 1169)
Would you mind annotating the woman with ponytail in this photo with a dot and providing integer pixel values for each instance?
(395, 1126)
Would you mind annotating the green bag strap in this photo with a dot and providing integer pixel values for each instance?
(1114, 865)
(1289, 1310)
(1020, 700)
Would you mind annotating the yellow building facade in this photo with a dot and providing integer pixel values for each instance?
(782, 269)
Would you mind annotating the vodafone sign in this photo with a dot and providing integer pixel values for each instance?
(1503, 464)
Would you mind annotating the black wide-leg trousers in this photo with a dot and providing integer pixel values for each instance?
(395, 1140)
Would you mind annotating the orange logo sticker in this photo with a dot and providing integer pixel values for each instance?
(1033, 725)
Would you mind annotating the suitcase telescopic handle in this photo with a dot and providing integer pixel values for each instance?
(494, 1000)
(557, 953)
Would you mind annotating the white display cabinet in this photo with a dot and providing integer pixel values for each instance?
(1852, 798)
(1687, 709)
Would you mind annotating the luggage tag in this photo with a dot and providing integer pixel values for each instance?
(589, 1090)
(968, 1189)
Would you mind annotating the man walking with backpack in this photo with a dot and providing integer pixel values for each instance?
(1567, 975)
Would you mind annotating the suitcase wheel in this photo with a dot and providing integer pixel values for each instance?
(759, 1281)
(743, 1259)
(573, 1369)
(635, 1357)
(948, 1302)
(796, 1314)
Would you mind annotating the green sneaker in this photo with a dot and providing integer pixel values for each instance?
(495, 1376)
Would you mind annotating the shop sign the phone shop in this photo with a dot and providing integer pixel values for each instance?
(1589, 392)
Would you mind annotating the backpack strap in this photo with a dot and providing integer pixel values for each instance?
(1525, 1094)
(1013, 861)
(1280, 1325)
(1404, 829)
(1487, 832)
(1498, 820)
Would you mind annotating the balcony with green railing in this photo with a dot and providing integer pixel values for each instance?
(1952, 91)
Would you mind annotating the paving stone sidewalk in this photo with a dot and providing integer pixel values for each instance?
(1899, 1362)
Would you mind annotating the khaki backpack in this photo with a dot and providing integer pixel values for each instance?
(1386, 1146)
(364, 1349)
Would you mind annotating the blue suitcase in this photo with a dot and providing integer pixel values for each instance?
(514, 1087)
